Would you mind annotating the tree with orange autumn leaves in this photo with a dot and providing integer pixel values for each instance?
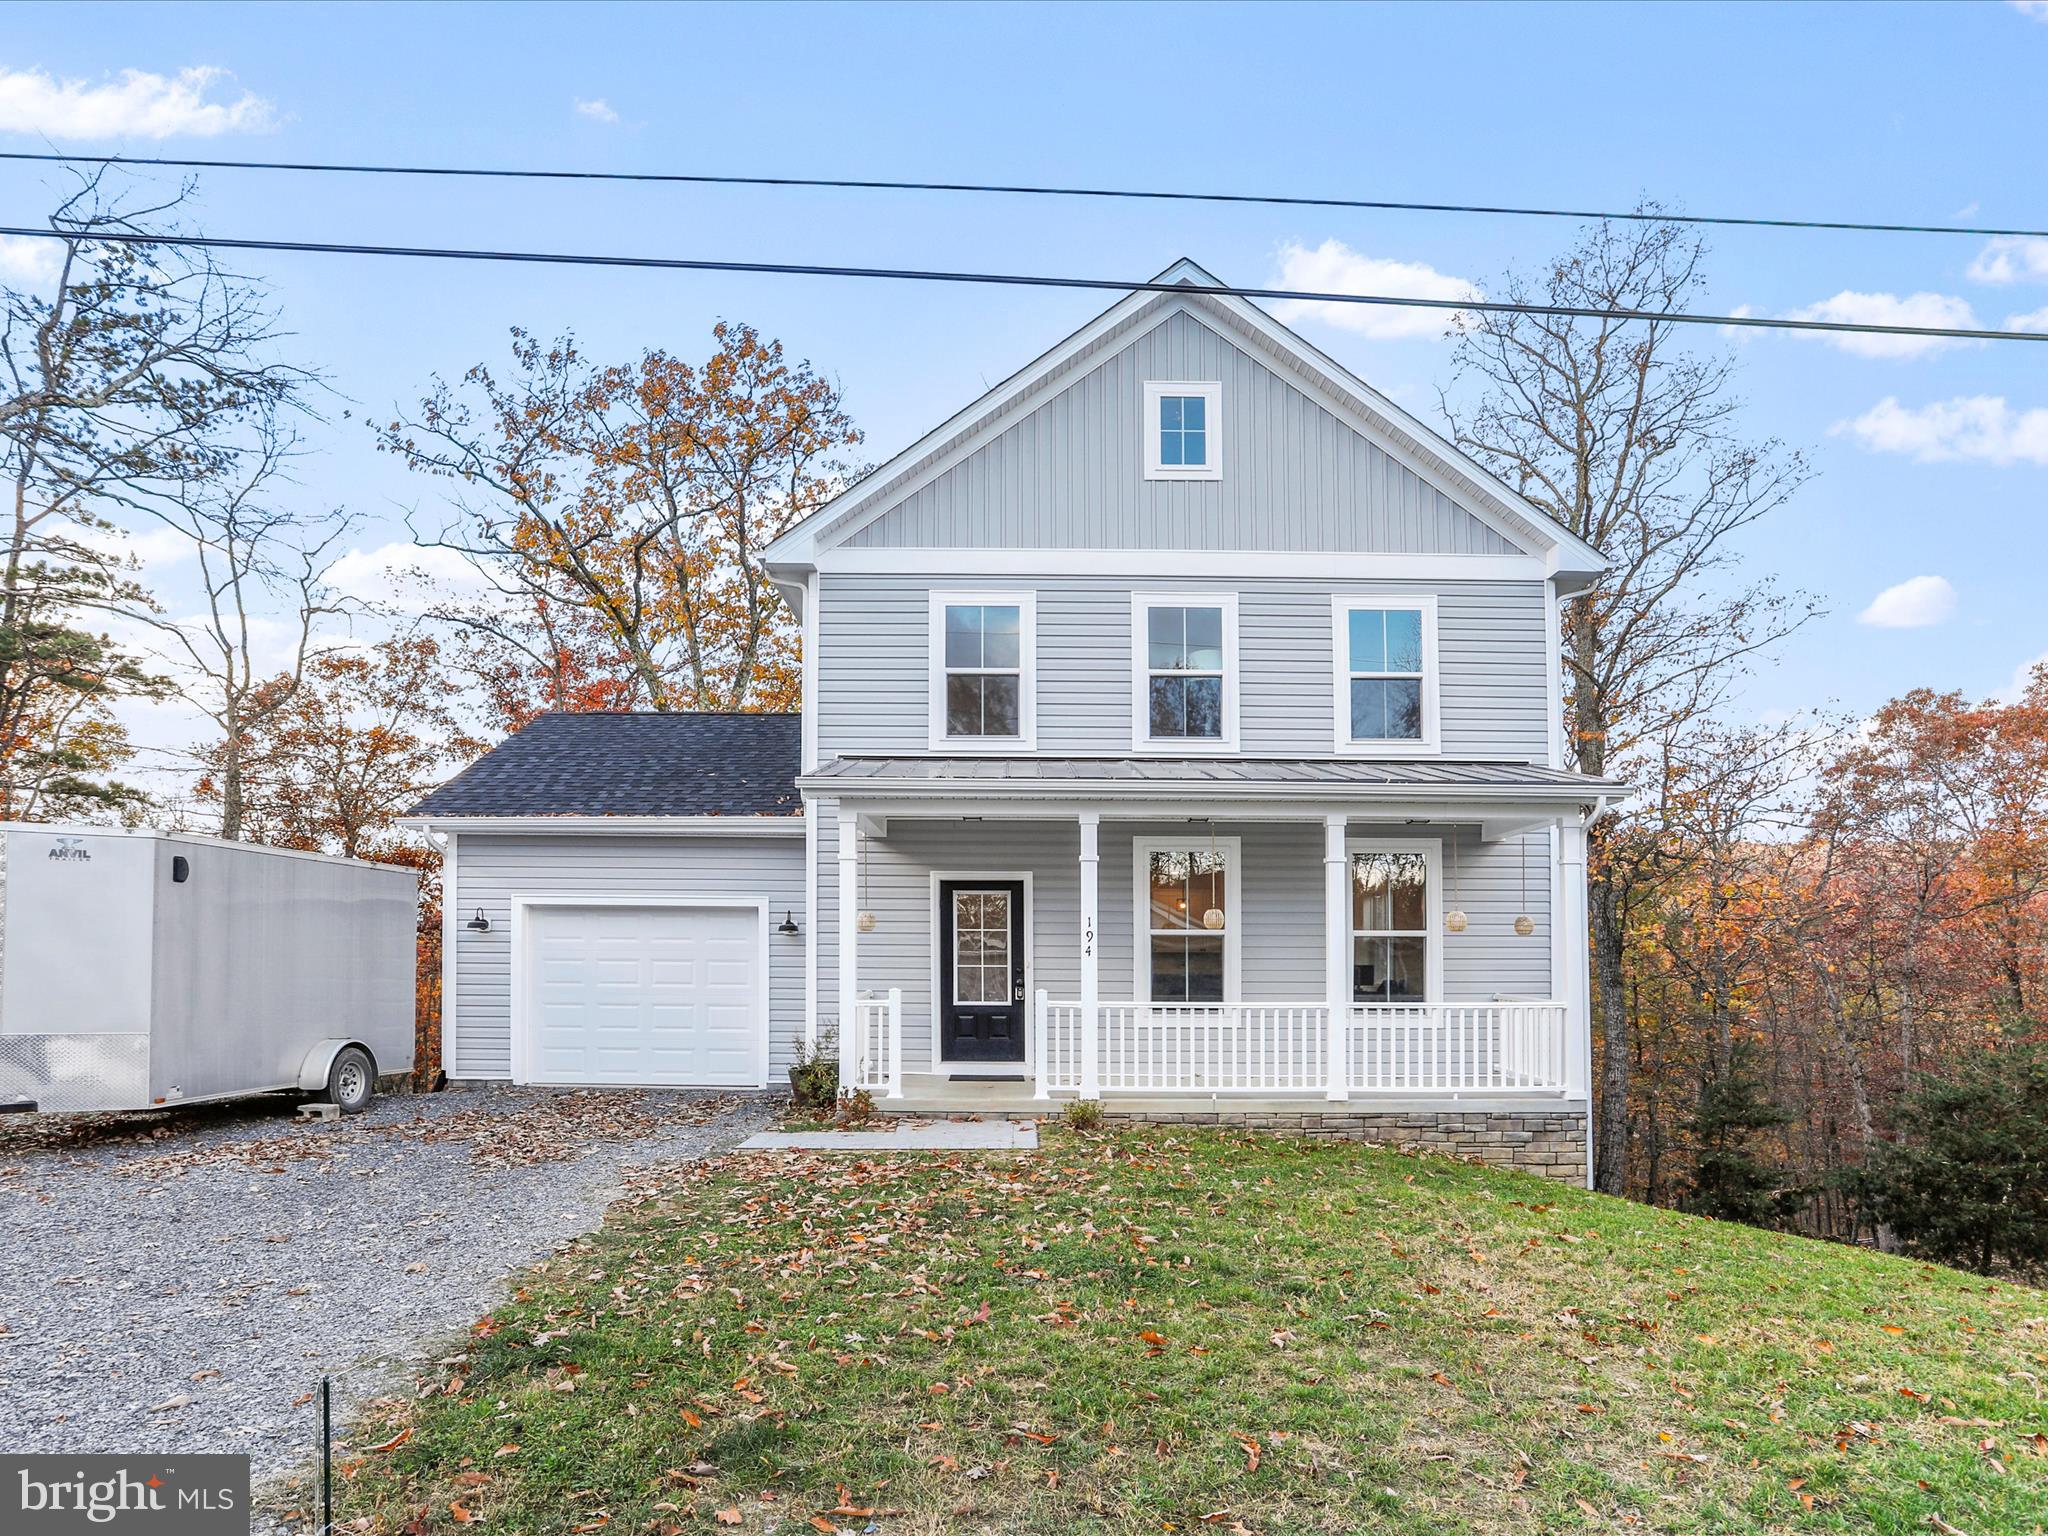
(616, 516)
(1875, 916)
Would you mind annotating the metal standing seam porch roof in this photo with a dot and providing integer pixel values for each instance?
(1433, 778)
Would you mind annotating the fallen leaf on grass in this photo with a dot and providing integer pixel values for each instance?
(726, 1516)
(462, 1516)
(1251, 1451)
(394, 1442)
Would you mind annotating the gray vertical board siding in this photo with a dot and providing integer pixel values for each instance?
(493, 868)
(873, 645)
(1282, 952)
(1070, 474)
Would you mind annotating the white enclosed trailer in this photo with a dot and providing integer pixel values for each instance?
(142, 969)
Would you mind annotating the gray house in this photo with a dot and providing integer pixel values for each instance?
(1181, 727)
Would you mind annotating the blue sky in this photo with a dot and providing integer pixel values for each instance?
(1868, 112)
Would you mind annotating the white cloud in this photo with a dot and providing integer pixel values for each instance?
(598, 110)
(1970, 427)
(397, 575)
(2038, 9)
(136, 105)
(1916, 309)
(1914, 603)
(29, 261)
(2022, 677)
(1333, 267)
(2011, 259)
(2037, 321)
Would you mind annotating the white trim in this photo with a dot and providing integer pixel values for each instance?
(1232, 849)
(1432, 851)
(807, 728)
(1142, 741)
(1553, 658)
(520, 905)
(789, 825)
(1210, 393)
(1430, 743)
(450, 927)
(1026, 739)
(1028, 1067)
(1174, 564)
(811, 815)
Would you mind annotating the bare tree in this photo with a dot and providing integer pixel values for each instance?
(1627, 438)
(119, 383)
(259, 565)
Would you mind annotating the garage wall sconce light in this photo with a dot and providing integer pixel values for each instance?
(787, 927)
(479, 923)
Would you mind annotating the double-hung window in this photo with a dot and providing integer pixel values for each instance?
(1394, 898)
(1385, 676)
(1187, 920)
(1183, 426)
(983, 658)
(1184, 672)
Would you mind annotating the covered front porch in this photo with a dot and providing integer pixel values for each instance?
(1384, 936)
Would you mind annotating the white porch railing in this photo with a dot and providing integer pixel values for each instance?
(1390, 1049)
(871, 1052)
(1455, 1047)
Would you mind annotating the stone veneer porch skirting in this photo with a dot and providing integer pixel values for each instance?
(1550, 1143)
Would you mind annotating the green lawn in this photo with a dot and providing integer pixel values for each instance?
(1147, 1331)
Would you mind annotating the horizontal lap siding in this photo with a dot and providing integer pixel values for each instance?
(491, 870)
(1070, 473)
(1282, 949)
(873, 645)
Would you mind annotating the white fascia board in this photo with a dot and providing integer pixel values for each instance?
(965, 794)
(1165, 563)
(616, 826)
(1386, 815)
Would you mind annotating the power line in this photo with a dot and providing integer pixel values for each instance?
(1378, 205)
(1009, 279)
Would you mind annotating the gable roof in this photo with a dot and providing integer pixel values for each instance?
(621, 764)
(1348, 397)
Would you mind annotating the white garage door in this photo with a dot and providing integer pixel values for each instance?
(665, 995)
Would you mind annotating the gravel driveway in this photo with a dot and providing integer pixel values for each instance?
(179, 1282)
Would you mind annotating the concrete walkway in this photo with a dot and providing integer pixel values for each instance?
(907, 1136)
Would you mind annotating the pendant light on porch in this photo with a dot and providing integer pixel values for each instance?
(865, 922)
(1454, 920)
(1212, 919)
(1524, 923)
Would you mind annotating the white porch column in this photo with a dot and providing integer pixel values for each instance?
(1091, 1009)
(1337, 952)
(1574, 982)
(849, 935)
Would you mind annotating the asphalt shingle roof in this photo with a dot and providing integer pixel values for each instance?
(633, 765)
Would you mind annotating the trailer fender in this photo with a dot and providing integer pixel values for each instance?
(320, 1061)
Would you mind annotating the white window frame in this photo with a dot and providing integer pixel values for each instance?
(1026, 739)
(1211, 393)
(1142, 740)
(1432, 851)
(1196, 841)
(1430, 742)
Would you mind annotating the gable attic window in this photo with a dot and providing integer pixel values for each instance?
(1183, 425)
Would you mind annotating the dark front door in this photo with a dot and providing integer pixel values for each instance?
(981, 970)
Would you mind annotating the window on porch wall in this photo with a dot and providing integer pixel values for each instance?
(1390, 934)
(1187, 958)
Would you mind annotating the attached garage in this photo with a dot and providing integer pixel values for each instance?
(625, 903)
(655, 994)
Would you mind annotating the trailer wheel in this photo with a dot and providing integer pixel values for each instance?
(351, 1079)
